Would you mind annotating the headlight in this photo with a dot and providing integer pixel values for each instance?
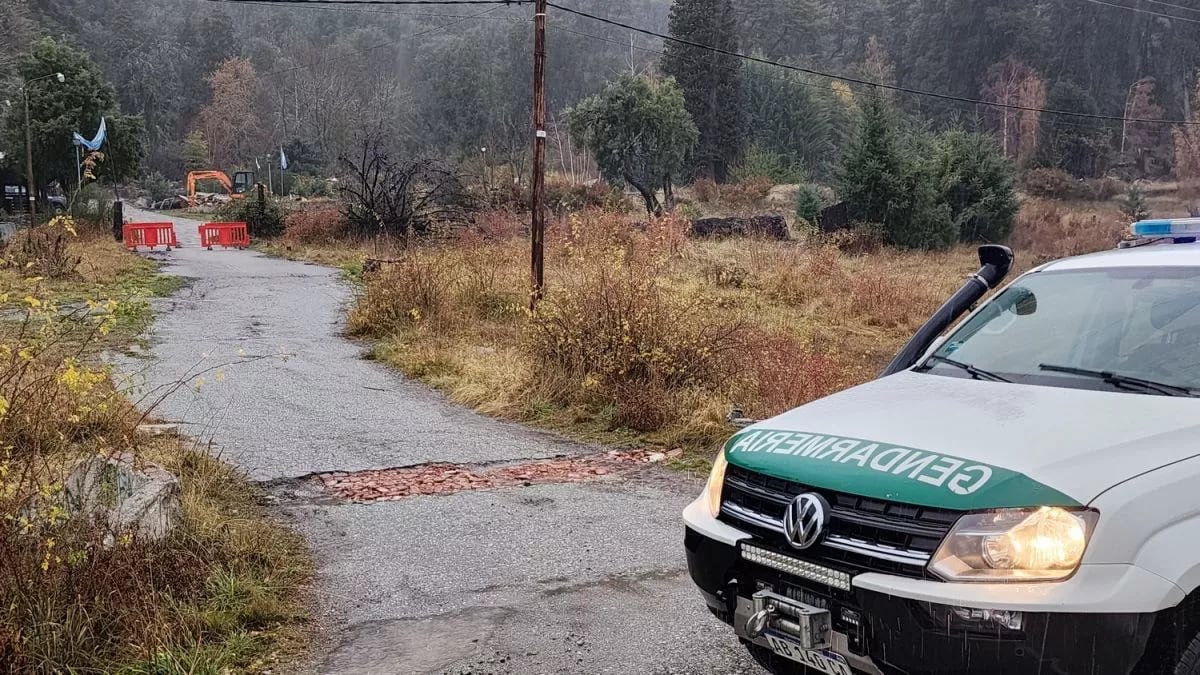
(716, 481)
(1039, 544)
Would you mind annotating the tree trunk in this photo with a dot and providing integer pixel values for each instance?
(669, 193)
(652, 206)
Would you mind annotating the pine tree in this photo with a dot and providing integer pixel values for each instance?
(785, 117)
(1134, 204)
(774, 27)
(884, 182)
(873, 174)
(1082, 151)
(711, 81)
(195, 152)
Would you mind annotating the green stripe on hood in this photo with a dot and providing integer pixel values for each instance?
(884, 471)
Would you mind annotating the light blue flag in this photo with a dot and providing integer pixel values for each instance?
(96, 142)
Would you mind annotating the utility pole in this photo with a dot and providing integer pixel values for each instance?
(538, 197)
(29, 141)
(29, 158)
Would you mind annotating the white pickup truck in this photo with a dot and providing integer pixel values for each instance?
(1021, 495)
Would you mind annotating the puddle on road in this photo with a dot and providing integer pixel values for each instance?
(441, 479)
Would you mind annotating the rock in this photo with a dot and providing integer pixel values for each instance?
(773, 227)
(656, 457)
(137, 499)
(159, 429)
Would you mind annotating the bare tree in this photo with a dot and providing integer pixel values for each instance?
(383, 196)
(1187, 145)
(1012, 83)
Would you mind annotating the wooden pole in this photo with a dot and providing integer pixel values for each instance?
(538, 197)
(29, 159)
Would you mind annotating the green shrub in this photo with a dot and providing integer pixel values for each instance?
(91, 206)
(976, 183)
(808, 204)
(1052, 184)
(1134, 204)
(759, 161)
(309, 186)
(885, 181)
(263, 219)
(563, 197)
(155, 186)
(689, 211)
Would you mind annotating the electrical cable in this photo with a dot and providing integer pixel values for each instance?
(1057, 123)
(343, 8)
(381, 2)
(1173, 5)
(864, 82)
(1142, 10)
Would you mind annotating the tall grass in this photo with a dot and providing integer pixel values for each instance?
(75, 595)
(644, 333)
(1048, 229)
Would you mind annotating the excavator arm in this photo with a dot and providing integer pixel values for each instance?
(218, 176)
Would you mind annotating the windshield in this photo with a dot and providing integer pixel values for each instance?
(1109, 326)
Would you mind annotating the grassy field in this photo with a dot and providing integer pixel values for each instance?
(223, 593)
(647, 336)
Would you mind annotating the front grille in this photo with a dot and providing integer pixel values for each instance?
(864, 534)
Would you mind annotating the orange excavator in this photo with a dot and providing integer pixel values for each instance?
(243, 182)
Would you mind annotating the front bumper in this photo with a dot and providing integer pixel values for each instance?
(884, 633)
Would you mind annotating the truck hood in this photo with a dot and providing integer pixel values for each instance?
(964, 444)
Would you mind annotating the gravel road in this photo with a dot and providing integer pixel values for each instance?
(555, 578)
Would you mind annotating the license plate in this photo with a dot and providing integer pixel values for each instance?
(820, 661)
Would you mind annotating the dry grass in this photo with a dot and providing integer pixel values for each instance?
(1048, 229)
(221, 594)
(645, 336)
(224, 593)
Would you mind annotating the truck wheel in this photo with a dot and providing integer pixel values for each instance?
(1189, 661)
(775, 664)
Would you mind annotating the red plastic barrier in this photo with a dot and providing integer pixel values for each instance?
(226, 235)
(150, 235)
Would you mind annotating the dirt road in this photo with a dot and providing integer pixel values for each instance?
(562, 577)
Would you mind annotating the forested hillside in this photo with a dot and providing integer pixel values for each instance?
(454, 79)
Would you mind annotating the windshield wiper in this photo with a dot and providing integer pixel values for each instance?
(975, 372)
(1124, 381)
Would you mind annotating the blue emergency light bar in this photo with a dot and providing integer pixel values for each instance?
(1173, 227)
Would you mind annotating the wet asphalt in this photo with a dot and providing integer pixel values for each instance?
(563, 578)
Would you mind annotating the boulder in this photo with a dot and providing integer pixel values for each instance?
(135, 498)
(772, 227)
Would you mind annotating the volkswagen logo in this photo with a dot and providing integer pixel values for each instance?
(805, 520)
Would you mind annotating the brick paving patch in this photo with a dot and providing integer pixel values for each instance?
(440, 479)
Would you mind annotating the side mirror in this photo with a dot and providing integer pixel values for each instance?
(1025, 302)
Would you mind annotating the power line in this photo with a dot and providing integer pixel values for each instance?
(1173, 6)
(864, 82)
(343, 8)
(1059, 123)
(380, 2)
(1141, 10)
